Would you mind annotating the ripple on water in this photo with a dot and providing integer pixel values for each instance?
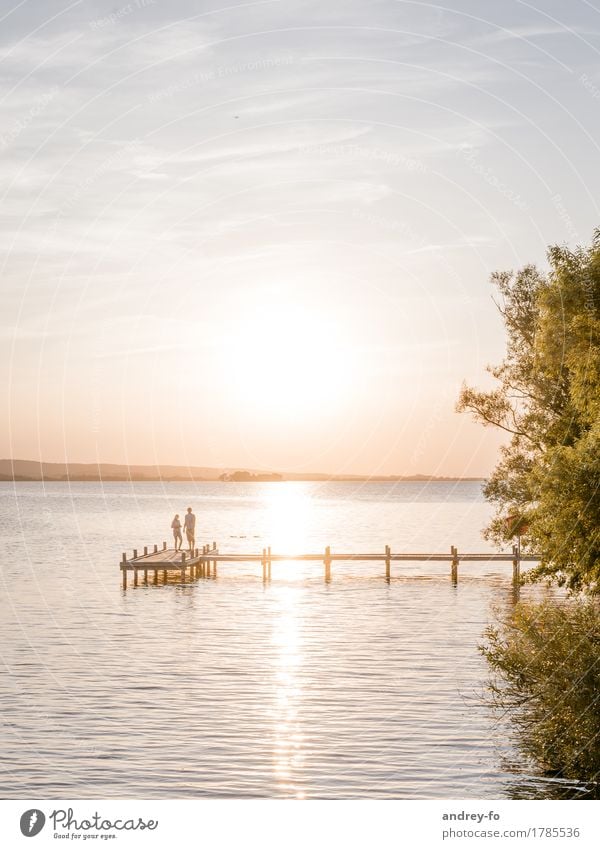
(231, 688)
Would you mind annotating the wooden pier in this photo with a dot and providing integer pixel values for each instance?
(202, 562)
(196, 563)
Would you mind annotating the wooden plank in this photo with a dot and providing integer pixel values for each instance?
(168, 558)
(202, 559)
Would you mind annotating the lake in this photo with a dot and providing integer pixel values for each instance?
(228, 687)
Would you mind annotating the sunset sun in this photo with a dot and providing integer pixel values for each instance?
(287, 362)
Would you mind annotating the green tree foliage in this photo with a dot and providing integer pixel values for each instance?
(548, 399)
(547, 659)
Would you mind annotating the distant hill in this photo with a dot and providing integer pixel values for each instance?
(32, 470)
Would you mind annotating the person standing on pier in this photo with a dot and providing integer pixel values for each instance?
(190, 528)
(176, 525)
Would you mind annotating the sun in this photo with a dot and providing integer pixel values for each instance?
(288, 360)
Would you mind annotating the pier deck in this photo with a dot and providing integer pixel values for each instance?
(203, 562)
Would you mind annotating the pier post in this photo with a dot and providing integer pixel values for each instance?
(269, 562)
(156, 576)
(145, 570)
(145, 551)
(134, 553)
(164, 576)
(516, 565)
(124, 570)
(155, 548)
(327, 561)
(264, 563)
(135, 577)
(164, 546)
(183, 567)
(454, 569)
(388, 562)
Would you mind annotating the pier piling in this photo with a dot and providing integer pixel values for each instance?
(327, 561)
(516, 565)
(454, 570)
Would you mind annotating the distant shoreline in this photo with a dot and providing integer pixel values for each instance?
(31, 471)
(257, 479)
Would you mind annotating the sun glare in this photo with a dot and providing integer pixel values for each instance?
(288, 363)
(288, 509)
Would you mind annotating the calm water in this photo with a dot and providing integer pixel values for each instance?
(228, 687)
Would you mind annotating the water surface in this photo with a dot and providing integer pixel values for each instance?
(230, 687)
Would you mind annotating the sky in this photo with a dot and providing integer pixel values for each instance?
(260, 235)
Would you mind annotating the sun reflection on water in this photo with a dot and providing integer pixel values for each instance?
(288, 739)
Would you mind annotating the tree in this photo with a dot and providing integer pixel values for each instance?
(546, 664)
(548, 400)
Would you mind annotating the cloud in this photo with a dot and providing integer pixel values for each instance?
(530, 32)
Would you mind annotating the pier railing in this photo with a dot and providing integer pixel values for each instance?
(202, 562)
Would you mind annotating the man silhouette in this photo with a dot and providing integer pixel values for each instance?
(190, 528)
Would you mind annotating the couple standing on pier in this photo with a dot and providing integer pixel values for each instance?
(190, 530)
